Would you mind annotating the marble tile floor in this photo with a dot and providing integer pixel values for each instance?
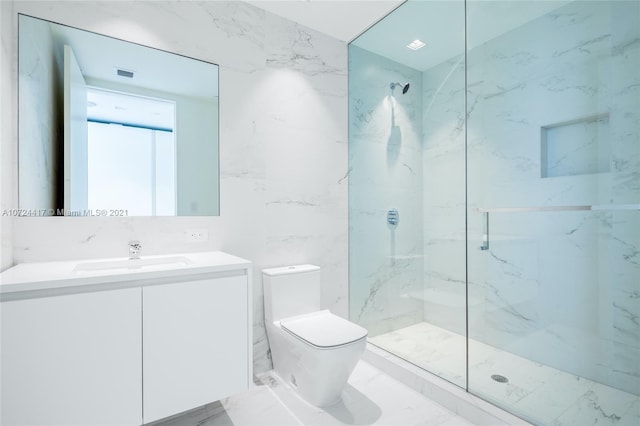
(536, 392)
(370, 398)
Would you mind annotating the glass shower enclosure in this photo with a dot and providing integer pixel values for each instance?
(494, 202)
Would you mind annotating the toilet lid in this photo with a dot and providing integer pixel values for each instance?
(323, 329)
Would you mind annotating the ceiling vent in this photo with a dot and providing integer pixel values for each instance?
(124, 73)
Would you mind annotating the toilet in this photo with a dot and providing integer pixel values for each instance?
(313, 350)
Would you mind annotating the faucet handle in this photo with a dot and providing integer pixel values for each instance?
(134, 249)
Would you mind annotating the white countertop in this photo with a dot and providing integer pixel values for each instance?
(57, 275)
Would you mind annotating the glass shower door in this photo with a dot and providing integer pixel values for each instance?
(406, 186)
(554, 210)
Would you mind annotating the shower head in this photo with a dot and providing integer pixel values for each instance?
(405, 87)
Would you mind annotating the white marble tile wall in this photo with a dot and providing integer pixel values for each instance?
(385, 172)
(443, 165)
(39, 125)
(565, 280)
(7, 149)
(283, 144)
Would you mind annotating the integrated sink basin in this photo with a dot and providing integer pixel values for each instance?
(66, 276)
(146, 264)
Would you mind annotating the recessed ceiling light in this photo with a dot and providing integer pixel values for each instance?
(416, 44)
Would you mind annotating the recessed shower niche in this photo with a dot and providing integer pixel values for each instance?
(576, 147)
(517, 252)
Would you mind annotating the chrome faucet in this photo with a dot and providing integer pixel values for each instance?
(134, 250)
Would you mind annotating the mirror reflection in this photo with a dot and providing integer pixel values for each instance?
(112, 128)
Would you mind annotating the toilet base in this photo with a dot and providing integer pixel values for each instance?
(317, 404)
(317, 375)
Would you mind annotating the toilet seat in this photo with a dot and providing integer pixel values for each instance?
(323, 330)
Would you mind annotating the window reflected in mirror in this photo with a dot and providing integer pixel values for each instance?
(143, 182)
(107, 125)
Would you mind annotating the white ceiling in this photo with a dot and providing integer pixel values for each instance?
(114, 107)
(100, 56)
(439, 23)
(341, 19)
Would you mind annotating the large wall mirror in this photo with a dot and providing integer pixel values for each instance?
(112, 128)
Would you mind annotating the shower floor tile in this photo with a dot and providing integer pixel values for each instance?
(533, 391)
(442, 351)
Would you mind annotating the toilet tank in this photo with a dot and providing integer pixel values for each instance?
(290, 290)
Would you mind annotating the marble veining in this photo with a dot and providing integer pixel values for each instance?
(555, 294)
(385, 172)
(37, 106)
(283, 89)
(8, 159)
(524, 286)
(370, 398)
(535, 391)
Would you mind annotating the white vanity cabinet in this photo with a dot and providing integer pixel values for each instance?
(91, 343)
(195, 344)
(72, 359)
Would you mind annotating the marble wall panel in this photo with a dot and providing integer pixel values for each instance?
(283, 151)
(385, 172)
(559, 287)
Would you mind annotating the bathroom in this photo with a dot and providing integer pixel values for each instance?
(286, 178)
